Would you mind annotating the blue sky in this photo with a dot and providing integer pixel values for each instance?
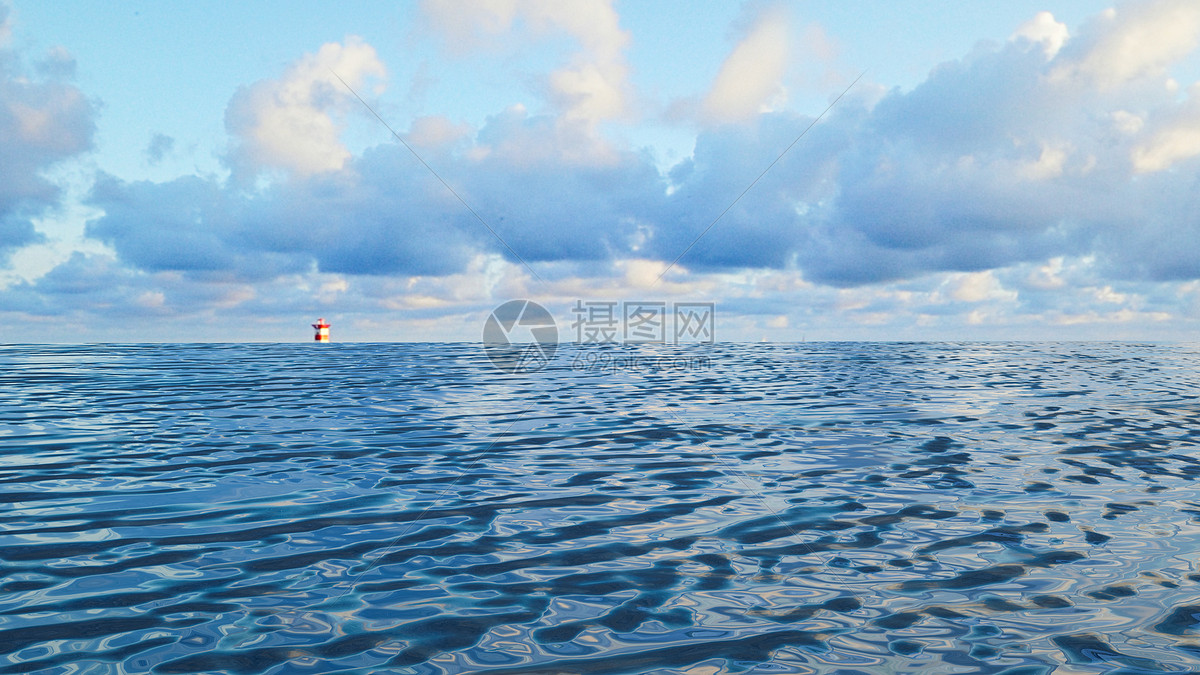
(195, 172)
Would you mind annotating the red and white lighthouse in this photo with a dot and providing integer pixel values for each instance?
(322, 331)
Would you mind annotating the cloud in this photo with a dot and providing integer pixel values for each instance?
(1134, 40)
(751, 78)
(190, 224)
(98, 284)
(330, 223)
(1020, 185)
(978, 287)
(291, 123)
(159, 147)
(43, 121)
(992, 161)
(99, 298)
(1044, 30)
(432, 132)
(592, 88)
(1172, 139)
(470, 24)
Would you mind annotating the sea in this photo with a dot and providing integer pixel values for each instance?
(1009, 508)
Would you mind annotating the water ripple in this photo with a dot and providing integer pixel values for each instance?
(990, 508)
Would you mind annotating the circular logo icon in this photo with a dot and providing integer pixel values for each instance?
(520, 336)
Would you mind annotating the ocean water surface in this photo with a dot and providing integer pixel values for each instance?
(1015, 508)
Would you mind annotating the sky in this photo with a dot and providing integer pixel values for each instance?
(869, 170)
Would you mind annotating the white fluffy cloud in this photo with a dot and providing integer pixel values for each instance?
(1045, 30)
(1133, 40)
(751, 77)
(978, 287)
(291, 123)
(1173, 139)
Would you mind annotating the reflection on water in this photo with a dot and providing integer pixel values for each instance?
(815, 508)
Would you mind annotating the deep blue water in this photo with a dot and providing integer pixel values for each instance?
(406, 508)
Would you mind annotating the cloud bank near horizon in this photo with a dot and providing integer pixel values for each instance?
(1025, 179)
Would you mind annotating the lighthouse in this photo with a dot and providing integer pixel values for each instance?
(322, 331)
